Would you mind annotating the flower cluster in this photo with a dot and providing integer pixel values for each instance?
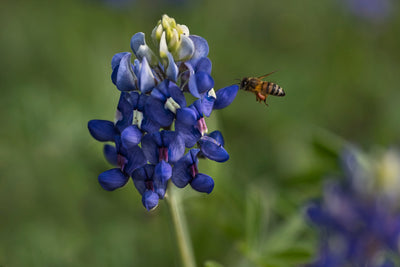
(154, 124)
(359, 219)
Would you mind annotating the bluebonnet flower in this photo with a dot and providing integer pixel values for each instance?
(359, 219)
(154, 124)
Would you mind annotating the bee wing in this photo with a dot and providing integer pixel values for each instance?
(264, 76)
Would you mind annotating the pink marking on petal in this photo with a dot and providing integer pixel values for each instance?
(149, 185)
(193, 170)
(121, 161)
(202, 126)
(163, 154)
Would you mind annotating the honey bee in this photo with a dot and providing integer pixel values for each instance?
(261, 88)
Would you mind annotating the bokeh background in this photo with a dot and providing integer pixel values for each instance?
(337, 60)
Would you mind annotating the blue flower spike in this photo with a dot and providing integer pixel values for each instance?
(154, 122)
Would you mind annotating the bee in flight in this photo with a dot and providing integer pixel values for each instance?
(261, 88)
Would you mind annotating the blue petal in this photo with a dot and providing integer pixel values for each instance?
(204, 64)
(160, 187)
(158, 94)
(136, 67)
(193, 154)
(112, 179)
(136, 41)
(131, 136)
(175, 144)
(198, 107)
(175, 92)
(126, 79)
(162, 171)
(125, 108)
(102, 130)
(146, 78)
(158, 138)
(142, 99)
(201, 48)
(143, 173)
(141, 49)
(149, 126)
(139, 174)
(212, 149)
(202, 183)
(140, 185)
(181, 175)
(125, 103)
(225, 96)
(149, 170)
(110, 153)
(150, 148)
(145, 51)
(119, 147)
(192, 84)
(207, 102)
(154, 108)
(136, 159)
(150, 200)
(114, 75)
(189, 133)
(186, 116)
(163, 90)
(204, 81)
(134, 100)
(116, 59)
(172, 69)
(217, 135)
(185, 50)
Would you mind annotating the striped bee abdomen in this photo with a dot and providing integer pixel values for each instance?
(273, 89)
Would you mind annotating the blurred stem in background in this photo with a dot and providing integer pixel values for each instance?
(173, 198)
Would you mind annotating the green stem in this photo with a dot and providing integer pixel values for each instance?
(182, 235)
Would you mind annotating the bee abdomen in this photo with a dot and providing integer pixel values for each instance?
(274, 89)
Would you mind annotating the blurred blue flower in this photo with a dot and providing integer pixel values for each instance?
(370, 9)
(359, 218)
(153, 123)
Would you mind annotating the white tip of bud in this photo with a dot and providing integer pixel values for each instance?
(211, 93)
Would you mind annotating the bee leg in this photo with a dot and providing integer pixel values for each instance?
(260, 97)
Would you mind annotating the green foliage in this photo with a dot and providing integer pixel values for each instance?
(212, 264)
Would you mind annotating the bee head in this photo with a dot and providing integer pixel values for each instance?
(244, 83)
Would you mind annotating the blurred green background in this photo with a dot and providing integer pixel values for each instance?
(341, 77)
